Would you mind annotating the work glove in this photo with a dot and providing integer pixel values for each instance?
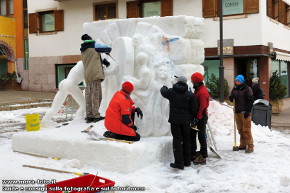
(106, 62)
(231, 98)
(246, 114)
(134, 127)
(193, 123)
(139, 112)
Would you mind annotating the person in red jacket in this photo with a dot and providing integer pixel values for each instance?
(202, 97)
(119, 119)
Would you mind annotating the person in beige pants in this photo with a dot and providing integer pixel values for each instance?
(94, 75)
(243, 96)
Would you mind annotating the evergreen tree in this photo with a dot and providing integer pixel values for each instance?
(277, 89)
(213, 86)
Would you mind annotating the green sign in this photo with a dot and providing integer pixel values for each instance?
(231, 7)
(152, 9)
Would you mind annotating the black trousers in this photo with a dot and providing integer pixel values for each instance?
(181, 143)
(201, 126)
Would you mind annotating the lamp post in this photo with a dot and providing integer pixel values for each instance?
(221, 67)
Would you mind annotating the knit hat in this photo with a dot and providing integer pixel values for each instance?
(127, 87)
(86, 37)
(196, 77)
(240, 78)
(182, 79)
(255, 80)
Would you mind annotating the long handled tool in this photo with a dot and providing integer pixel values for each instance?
(55, 170)
(235, 147)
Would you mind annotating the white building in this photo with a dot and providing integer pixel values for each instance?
(256, 35)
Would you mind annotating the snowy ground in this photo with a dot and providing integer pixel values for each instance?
(266, 170)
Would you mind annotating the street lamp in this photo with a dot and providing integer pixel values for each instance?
(221, 67)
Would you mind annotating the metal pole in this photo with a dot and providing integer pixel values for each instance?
(221, 67)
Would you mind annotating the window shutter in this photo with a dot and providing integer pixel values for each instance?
(59, 20)
(251, 6)
(166, 8)
(132, 9)
(208, 8)
(270, 8)
(282, 12)
(32, 23)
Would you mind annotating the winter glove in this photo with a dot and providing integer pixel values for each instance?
(106, 63)
(231, 98)
(134, 127)
(139, 112)
(194, 122)
(246, 114)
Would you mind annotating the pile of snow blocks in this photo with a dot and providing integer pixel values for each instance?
(108, 155)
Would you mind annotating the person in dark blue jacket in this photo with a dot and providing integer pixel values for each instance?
(183, 108)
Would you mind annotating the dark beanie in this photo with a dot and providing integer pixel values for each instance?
(86, 37)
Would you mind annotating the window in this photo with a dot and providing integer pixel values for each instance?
(46, 21)
(210, 8)
(62, 71)
(279, 11)
(149, 8)
(282, 67)
(6, 7)
(105, 11)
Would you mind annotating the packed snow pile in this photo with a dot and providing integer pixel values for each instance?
(70, 143)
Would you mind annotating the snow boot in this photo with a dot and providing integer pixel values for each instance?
(173, 165)
(187, 164)
(199, 160)
(98, 119)
(193, 157)
(242, 147)
(250, 149)
(89, 120)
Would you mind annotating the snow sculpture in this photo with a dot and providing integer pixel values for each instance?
(68, 86)
(149, 52)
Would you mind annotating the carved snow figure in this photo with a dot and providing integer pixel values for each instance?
(66, 87)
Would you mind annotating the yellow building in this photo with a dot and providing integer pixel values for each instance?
(11, 35)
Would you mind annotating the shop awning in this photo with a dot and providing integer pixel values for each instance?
(282, 56)
(287, 1)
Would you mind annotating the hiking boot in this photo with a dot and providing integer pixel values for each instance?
(175, 166)
(250, 149)
(242, 147)
(199, 160)
(98, 119)
(89, 120)
(193, 157)
(187, 164)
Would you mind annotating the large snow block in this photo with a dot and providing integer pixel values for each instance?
(72, 144)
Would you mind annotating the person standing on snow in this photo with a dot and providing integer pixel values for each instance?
(257, 91)
(243, 96)
(94, 75)
(183, 106)
(202, 97)
(120, 114)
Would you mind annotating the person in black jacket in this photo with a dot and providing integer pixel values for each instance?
(257, 91)
(243, 96)
(183, 108)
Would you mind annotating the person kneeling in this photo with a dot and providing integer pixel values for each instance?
(119, 119)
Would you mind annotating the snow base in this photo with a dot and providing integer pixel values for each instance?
(70, 143)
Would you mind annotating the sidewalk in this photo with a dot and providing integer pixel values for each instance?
(12, 100)
(281, 121)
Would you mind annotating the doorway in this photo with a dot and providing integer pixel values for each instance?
(248, 67)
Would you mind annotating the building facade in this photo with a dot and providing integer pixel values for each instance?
(12, 35)
(256, 35)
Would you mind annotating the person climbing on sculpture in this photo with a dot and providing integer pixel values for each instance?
(94, 75)
(120, 114)
(183, 108)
